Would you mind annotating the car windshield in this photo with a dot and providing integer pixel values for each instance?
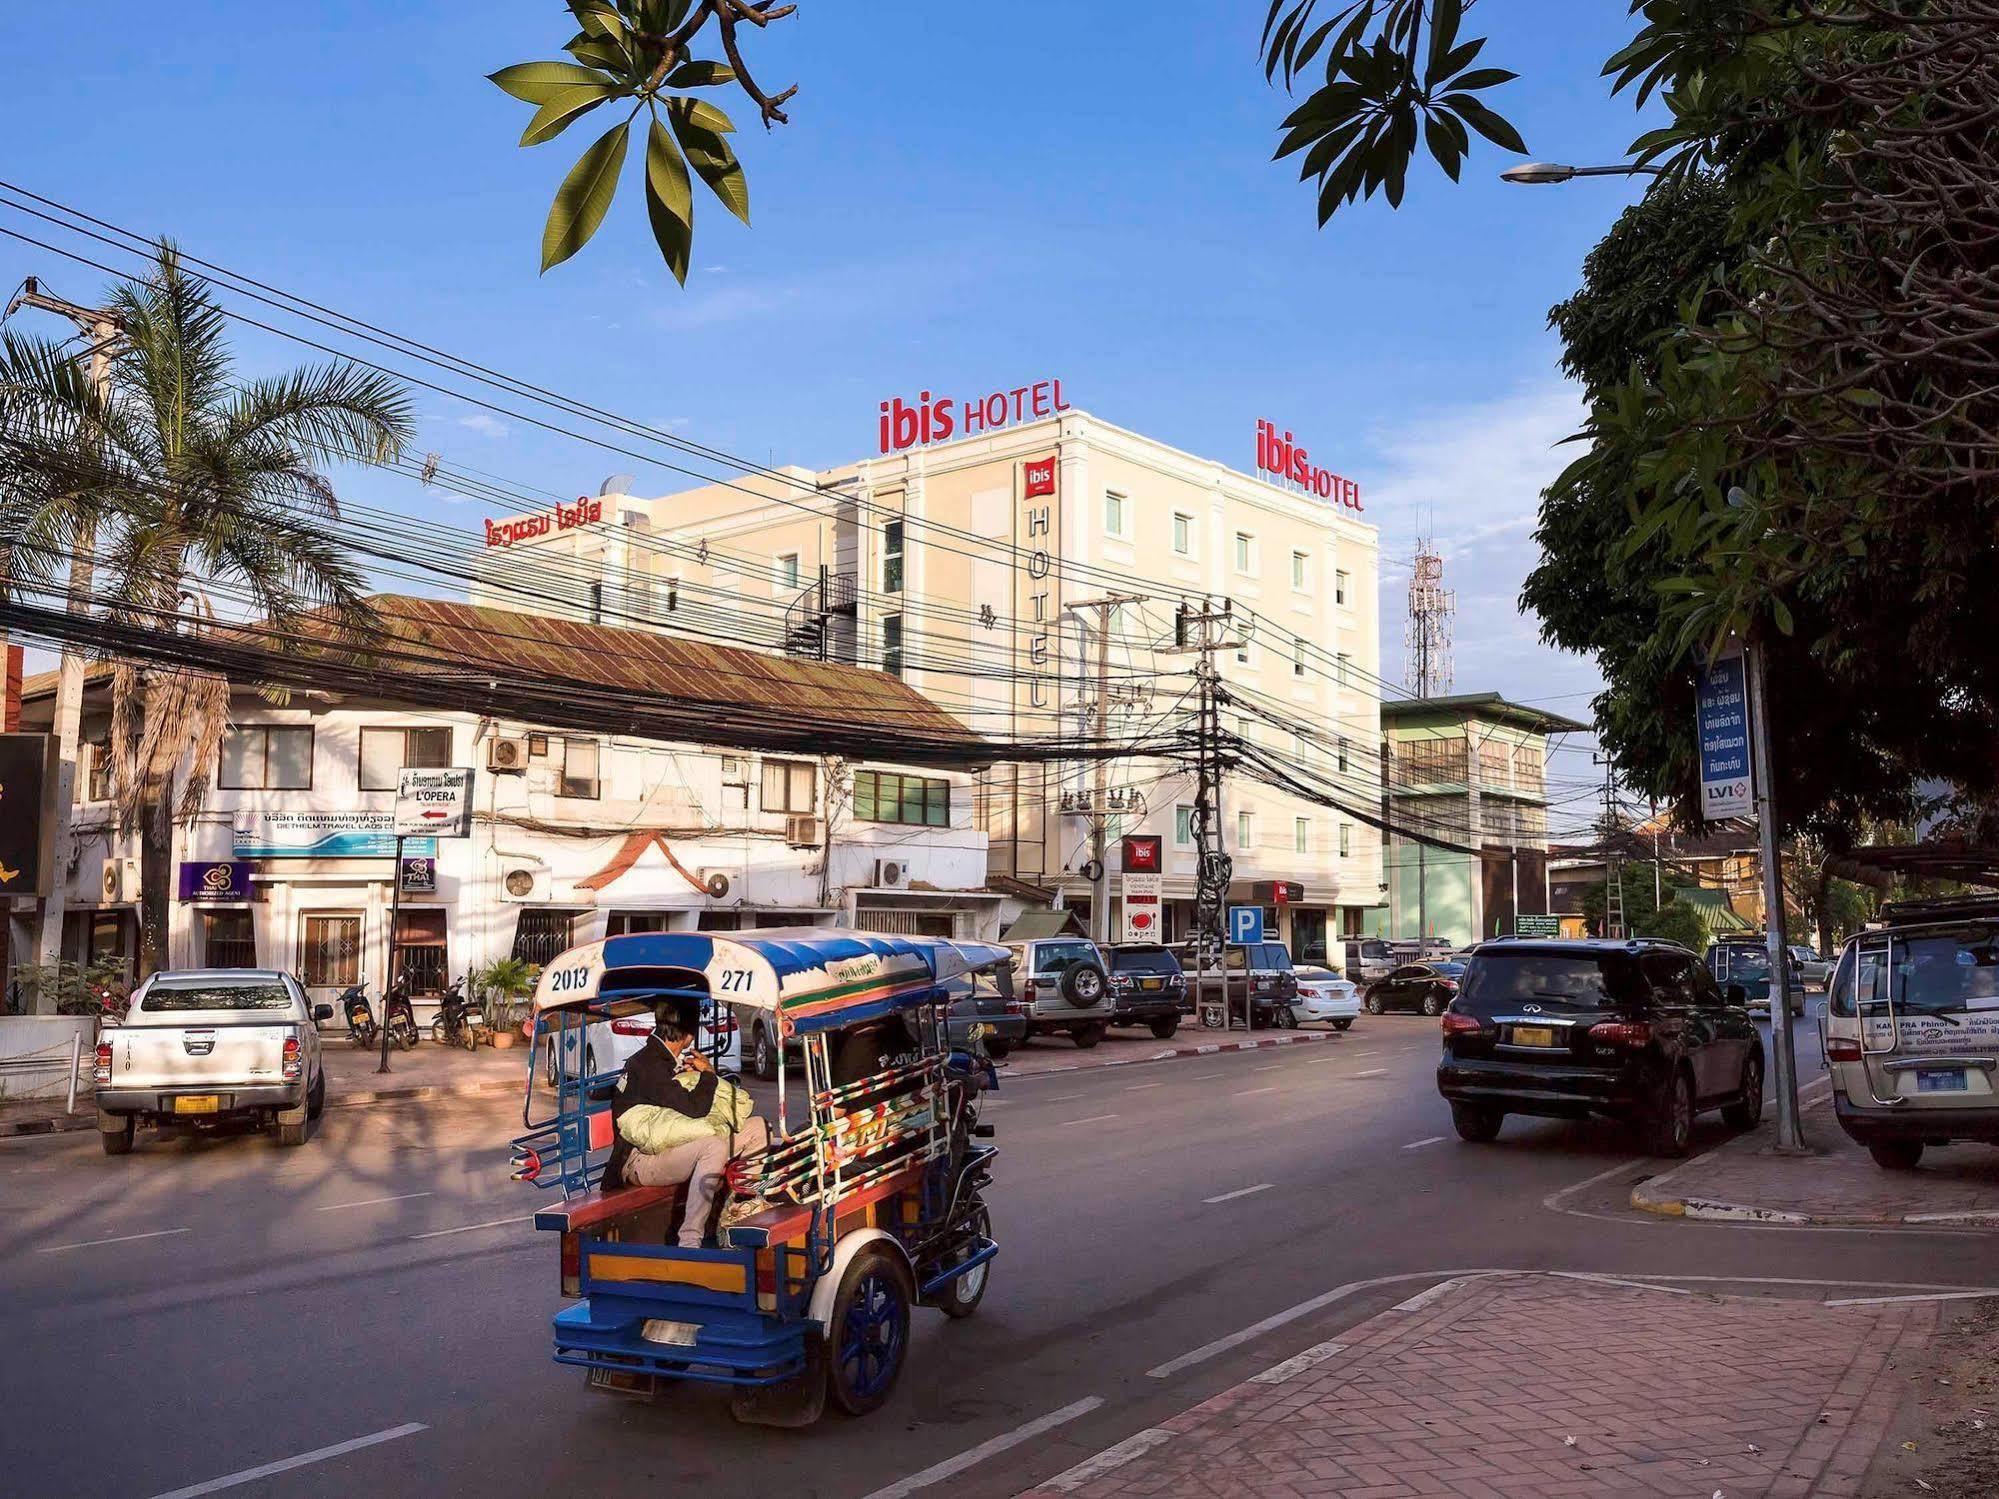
(1934, 974)
(1739, 963)
(1053, 957)
(1143, 960)
(1504, 980)
(169, 998)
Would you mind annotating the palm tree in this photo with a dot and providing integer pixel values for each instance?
(196, 494)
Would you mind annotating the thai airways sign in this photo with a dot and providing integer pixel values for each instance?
(1280, 456)
(934, 418)
(1721, 720)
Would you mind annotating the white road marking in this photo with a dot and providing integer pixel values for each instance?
(158, 1233)
(971, 1457)
(1613, 1280)
(1093, 1119)
(466, 1228)
(1267, 1067)
(1373, 1072)
(1109, 1459)
(1933, 1296)
(1419, 1144)
(368, 1202)
(1250, 1092)
(1063, 1098)
(1291, 1368)
(1240, 1192)
(1375, 1053)
(1553, 1200)
(1437, 1292)
(1200, 1075)
(286, 1464)
(1140, 1087)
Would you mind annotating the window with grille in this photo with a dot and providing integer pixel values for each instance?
(385, 752)
(266, 758)
(542, 936)
(789, 786)
(228, 939)
(887, 796)
(331, 957)
(420, 956)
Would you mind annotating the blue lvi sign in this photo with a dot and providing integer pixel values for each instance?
(1245, 923)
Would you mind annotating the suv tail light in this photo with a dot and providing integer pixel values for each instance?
(101, 1072)
(632, 1025)
(1837, 1049)
(1449, 986)
(1028, 991)
(1621, 1033)
(294, 1060)
(1462, 1025)
(1016, 1006)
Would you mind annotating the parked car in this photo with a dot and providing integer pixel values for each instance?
(1745, 960)
(1912, 1030)
(608, 1044)
(1325, 996)
(1065, 983)
(1637, 1030)
(1257, 972)
(1368, 959)
(208, 1045)
(1814, 972)
(981, 1003)
(1415, 986)
(1148, 987)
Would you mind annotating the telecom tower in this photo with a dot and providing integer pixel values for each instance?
(1428, 632)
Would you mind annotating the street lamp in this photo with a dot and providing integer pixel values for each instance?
(1537, 173)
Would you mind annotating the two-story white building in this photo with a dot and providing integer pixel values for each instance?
(575, 836)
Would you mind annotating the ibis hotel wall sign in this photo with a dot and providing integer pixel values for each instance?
(934, 418)
(322, 835)
(434, 804)
(1281, 457)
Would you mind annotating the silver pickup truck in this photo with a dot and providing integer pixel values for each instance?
(205, 1045)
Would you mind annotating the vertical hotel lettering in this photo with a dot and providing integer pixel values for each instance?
(1037, 526)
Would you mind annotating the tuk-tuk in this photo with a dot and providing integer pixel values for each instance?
(866, 1202)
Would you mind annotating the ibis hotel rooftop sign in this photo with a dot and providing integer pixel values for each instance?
(1279, 456)
(935, 418)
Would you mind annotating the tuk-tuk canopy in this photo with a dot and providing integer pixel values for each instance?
(812, 978)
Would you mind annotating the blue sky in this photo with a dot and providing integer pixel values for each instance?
(969, 196)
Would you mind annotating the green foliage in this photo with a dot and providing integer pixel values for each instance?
(77, 988)
(1676, 922)
(499, 985)
(636, 50)
(1395, 71)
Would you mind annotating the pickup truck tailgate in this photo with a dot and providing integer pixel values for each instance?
(198, 1053)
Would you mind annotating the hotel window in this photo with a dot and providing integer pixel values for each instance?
(579, 770)
(672, 595)
(1298, 657)
(1300, 570)
(885, 796)
(100, 771)
(1245, 829)
(892, 557)
(1183, 826)
(266, 759)
(1342, 669)
(1301, 835)
(1339, 588)
(789, 786)
(1245, 552)
(1346, 839)
(596, 603)
(1114, 513)
(1183, 535)
(892, 644)
(1343, 754)
(787, 570)
(384, 752)
(228, 940)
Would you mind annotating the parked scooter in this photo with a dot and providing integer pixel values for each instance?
(399, 1016)
(456, 1022)
(360, 1018)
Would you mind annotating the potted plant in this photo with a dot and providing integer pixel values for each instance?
(502, 984)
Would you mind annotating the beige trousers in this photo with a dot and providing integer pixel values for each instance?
(700, 1164)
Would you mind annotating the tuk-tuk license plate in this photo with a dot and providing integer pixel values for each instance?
(1533, 1035)
(1941, 1080)
(679, 1334)
(198, 1103)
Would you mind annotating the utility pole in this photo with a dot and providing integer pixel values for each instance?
(1202, 633)
(1613, 873)
(101, 327)
(1099, 815)
(1783, 1051)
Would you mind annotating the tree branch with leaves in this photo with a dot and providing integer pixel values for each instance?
(641, 51)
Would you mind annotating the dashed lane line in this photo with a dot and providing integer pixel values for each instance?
(1419, 1144)
(158, 1233)
(286, 1464)
(466, 1228)
(369, 1202)
(1240, 1192)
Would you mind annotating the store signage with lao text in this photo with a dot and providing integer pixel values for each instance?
(1721, 721)
(220, 879)
(1280, 456)
(934, 418)
(27, 810)
(558, 517)
(434, 803)
(1144, 888)
(321, 835)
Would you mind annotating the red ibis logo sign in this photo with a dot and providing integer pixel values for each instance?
(934, 418)
(1280, 456)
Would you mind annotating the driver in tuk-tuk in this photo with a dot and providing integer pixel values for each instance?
(679, 1121)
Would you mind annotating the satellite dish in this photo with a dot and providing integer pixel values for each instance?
(617, 484)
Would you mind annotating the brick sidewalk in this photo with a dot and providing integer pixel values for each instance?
(1477, 1392)
(1837, 1183)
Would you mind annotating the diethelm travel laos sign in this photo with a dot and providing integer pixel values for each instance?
(1721, 721)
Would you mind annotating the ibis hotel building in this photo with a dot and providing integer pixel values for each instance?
(1020, 563)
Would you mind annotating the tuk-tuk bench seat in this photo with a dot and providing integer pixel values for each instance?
(599, 1209)
(784, 1223)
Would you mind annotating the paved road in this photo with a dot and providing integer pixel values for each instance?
(194, 1312)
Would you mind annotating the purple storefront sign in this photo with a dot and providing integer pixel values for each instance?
(223, 879)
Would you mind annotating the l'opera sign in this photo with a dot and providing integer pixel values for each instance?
(1282, 458)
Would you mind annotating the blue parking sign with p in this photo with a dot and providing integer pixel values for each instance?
(1245, 923)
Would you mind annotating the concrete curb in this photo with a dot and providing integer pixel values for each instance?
(64, 1124)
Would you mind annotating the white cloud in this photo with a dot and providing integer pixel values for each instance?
(485, 424)
(1470, 477)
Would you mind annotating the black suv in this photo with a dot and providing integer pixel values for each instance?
(1147, 987)
(1631, 1030)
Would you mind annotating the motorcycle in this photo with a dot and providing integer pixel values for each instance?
(400, 1017)
(360, 1017)
(456, 1023)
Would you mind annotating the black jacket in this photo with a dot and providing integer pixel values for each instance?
(649, 1078)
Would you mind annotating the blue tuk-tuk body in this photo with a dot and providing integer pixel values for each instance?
(870, 1189)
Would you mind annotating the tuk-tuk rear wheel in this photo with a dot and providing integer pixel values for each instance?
(868, 1333)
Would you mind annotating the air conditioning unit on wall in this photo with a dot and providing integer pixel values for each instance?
(523, 882)
(507, 756)
(891, 874)
(801, 830)
(717, 882)
(121, 882)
